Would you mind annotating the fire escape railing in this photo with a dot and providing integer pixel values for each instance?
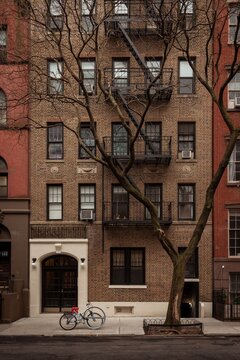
(157, 149)
(134, 213)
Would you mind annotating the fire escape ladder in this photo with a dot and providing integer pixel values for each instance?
(132, 48)
(134, 121)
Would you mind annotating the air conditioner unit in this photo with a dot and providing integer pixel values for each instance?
(186, 154)
(89, 88)
(86, 214)
(237, 101)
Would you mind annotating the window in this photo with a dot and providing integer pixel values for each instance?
(187, 12)
(186, 78)
(234, 232)
(87, 137)
(234, 92)
(55, 141)
(3, 178)
(121, 10)
(120, 203)
(88, 12)
(127, 266)
(154, 194)
(186, 140)
(235, 287)
(88, 68)
(55, 202)
(186, 202)
(191, 271)
(55, 77)
(55, 14)
(121, 74)
(234, 164)
(154, 65)
(3, 44)
(119, 140)
(234, 11)
(86, 200)
(3, 108)
(153, 130)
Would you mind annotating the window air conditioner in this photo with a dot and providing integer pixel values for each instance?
(237, 102)
(89, 89)
(186, 154)
(86, 214)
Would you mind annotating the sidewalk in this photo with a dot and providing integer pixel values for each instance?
(47, 325)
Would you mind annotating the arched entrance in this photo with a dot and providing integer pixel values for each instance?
(5, 256)
(59, 283)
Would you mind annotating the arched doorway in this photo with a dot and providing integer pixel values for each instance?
(59, 283)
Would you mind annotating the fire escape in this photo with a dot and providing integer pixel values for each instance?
(127, 20)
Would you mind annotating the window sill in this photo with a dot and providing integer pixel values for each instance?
(186, 161)
(233, 110)
(54, 161)
(186, 96)
(127, 286)
(234, 184)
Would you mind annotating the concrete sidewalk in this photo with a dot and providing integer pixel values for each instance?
(47, 325)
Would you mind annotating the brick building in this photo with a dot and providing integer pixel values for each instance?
(89, 239)
(14, 163)
(227, 199)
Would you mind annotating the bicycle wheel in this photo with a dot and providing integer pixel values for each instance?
(94, 320)
(68, 321)
(97, 310)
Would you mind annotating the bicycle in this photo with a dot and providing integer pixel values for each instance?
(68, 321)
(96, 309)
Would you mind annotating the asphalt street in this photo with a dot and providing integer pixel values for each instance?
(115, 348)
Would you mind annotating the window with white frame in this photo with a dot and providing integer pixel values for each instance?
(186, 78)
(3, 44)
(55, 201)
(121, 74)
(234, 164)
(187, 13)
(88, 12)
(233, 22)
(121, 11)
(88, 68)
(55, 14)
(3, 178)
(87, 201)
(55, 141)
(234, 92)
(234, 232)
(186, 202)
(154, 66)
(55, 77)
(3, 108)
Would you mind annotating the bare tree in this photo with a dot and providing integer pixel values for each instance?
(73, 30)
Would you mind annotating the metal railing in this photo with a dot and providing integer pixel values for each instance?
(152, 149)
(135, 83)
(226, 305)
(134, 213)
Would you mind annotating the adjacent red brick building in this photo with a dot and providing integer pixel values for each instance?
(226, 213)
(14, 161)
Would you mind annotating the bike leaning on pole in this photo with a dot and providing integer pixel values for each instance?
(93, 316)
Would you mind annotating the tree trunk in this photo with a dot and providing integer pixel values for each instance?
(174, 305)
